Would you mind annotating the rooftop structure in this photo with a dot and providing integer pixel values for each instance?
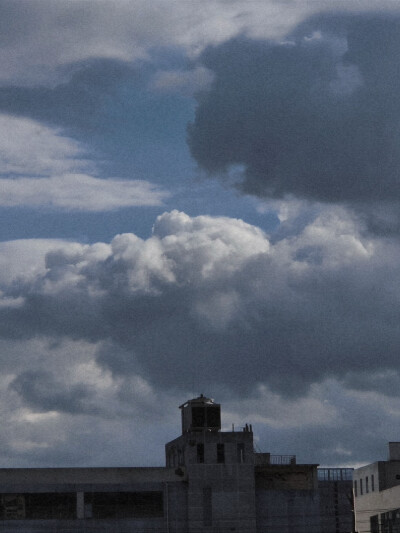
(213, 482)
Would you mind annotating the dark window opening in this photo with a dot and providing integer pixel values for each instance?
(355, 489)
(366, 485)
(203, 417)
(207, 507)
(374, 523)
(198, 417)
(220, 453)
(34, 506)
(125, 504)
(372, 483)
(180, 457)
(361, 487)
(390, 522)
(240, 452)
(200, 453)
(213, 417)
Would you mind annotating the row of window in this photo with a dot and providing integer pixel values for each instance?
(35, 506)
(221, 453)
(176, 456)
(360, 485)
(388, 522)
(335, 474)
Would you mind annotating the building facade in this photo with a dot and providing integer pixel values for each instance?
(213, 482)
(335, 487)
(377, 494)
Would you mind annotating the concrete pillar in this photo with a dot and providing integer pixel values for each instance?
(80, 505)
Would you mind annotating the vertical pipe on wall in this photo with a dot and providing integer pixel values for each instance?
(167, 505)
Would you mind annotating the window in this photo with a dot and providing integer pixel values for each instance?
(41, 505)
(203, 417)
(355, 489)
(240, 452)
(366, 485)
(213, 416)
(374, 524)
(220, 453)
(361, 487)
(198, 417)
(181, 460)
(372, 483)
(125, 504)
(200, 453)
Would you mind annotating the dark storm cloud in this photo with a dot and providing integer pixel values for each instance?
(40, 390)
(316, 116)
(75, 103)
(213, 298)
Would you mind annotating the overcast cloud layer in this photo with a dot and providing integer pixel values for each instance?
(80, 30)
(272, 287)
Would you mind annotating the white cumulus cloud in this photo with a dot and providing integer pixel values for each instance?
(41, 167)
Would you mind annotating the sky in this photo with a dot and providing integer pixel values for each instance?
(198, 197)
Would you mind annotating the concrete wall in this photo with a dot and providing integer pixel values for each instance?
(336, 505)
(232, 495)
(86, 526)
(279, 477)
(384, 497)
(374, 503)
(82, 483)
(221, 490)
(288, 511)
(87, 476)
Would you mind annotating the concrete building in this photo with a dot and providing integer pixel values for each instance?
(213, 482)
(377, 494)
(335, 487)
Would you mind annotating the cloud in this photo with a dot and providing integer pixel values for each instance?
(129, 30)
(315, 116)
(297, 335)
(25, 258)
(128, 126)
(187, 82)
(67, 410)
(28, 147)
(54, 164)
(41, 390)
(79, 192)
(320, 426)
(218, 292)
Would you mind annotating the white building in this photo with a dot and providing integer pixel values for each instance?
(377, 494)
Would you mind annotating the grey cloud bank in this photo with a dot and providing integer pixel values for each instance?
(216, 292)
(315, 116)
(304, 330)
(79, 31)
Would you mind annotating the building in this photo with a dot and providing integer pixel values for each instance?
(213, 482)
(335, 487)
(377, 494)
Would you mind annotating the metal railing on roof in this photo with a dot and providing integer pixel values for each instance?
(269, 459)
(282, 459)
(335, 474)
